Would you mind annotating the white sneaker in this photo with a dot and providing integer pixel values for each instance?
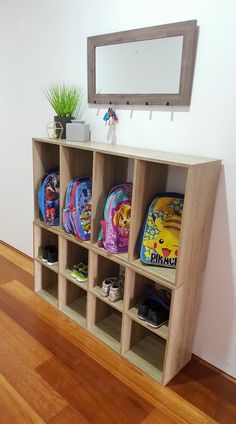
(115, 292)
(106, 284)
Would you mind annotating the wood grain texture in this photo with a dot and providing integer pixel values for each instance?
(168, 158)
(19, 342)
(188, 30)
(45, 157)
(116, 365)
(13, 408)
(201, 188)
(24, 262)
(26, 381)
(86, 392)
(144, 191)
(196, 395)
(73, 163)
(68, 415)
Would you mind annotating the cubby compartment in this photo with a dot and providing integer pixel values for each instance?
(46, 283)
(143, 348)
(137, 289)
(104, 322)
(109, 171)
(150, 179)
(72, 301)
(99, 269)
(42, 238)
(74, 163)
(45, 157)
(71, 254)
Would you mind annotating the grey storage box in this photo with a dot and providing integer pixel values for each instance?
(77, 131)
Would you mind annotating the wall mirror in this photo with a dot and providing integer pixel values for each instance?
(146, 66)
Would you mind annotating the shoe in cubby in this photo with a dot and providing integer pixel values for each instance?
(46, 247)
(147, 303)
(107, 280)
(74, 262)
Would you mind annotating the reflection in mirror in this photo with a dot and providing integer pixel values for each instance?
(150, 66)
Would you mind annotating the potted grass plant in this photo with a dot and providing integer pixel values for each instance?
(67, 102)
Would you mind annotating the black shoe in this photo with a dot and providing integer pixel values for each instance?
(52, 257)
(157, 317)
(144, 307)
(50, 254)
(46, 249)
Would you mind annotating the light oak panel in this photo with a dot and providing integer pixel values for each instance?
(45, 157)
(185, 300)
(72, 301)
(101, 268)
(42, 238)
(48, 287)
(73, 163)
(71, 254)
(118, 325)
(168, 158)
(149, 179)
(108, 171)
(202, 182)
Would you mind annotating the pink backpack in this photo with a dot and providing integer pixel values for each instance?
(114, 234)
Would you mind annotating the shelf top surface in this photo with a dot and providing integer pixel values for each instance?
(169, 158)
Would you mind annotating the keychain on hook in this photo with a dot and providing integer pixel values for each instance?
(110, 117)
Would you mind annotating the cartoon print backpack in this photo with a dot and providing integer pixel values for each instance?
(78, 208)
(48, 197)
(161, 230)
(114, 234)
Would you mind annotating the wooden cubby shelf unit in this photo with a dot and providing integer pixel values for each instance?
(160, 352)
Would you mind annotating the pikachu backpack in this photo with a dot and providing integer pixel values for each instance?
(161, 230)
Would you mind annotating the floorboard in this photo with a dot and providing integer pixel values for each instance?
(29, 307)
(52, 371)
(13, 408)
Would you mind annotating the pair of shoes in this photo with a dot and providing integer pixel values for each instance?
(50, 255)
(113, 288)
(80, 272)
(153, 312)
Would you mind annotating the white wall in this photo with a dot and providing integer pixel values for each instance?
(46, 41)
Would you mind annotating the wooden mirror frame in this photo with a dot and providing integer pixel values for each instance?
(187, 29)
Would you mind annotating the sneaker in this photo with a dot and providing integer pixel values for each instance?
(115, 292)
(52, 257)
(45, 252)
(106, 284)
(157, 317)
(80, 272)
(144, 307)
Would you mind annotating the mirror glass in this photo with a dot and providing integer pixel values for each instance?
(150, 66)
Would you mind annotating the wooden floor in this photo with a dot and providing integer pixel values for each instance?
(52, 371)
